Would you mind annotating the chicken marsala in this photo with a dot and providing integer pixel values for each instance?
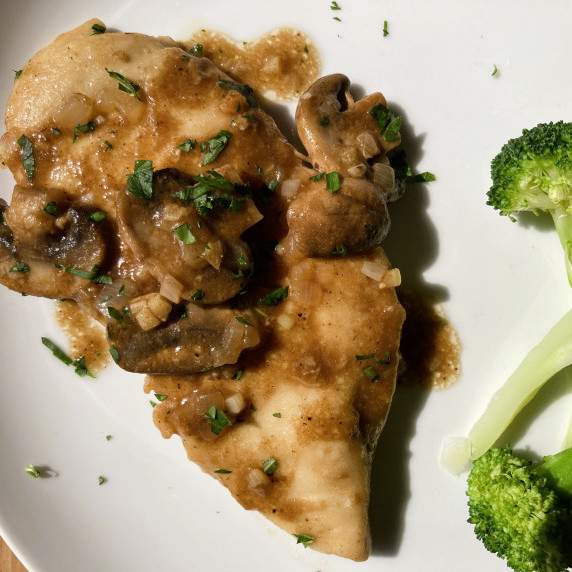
(245, 278)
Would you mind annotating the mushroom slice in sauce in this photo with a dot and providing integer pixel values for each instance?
(190, 235)
(189, 341)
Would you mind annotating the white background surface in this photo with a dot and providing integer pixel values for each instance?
(503, 285)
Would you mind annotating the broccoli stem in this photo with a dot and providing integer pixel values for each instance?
(552, 354)
(558, 471)
(563, 223)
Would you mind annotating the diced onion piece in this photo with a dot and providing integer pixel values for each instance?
(257, 478)
(76, 110)
(374, 270)
(235, 403)
(358, 171)
(384, 176)
(160, 306)
(285, 321)
(368, 144)
(171, 289)
(290, 187)
(391, 279)
(145, 318)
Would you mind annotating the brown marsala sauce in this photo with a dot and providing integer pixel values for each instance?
(430, 346)
(280, 64)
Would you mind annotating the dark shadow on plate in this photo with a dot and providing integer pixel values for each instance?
(412, 246)
(46, 472)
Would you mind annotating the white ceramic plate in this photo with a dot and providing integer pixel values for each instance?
(503, 285)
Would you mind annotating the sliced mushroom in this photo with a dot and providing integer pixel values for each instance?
(200, 250)
(199, 339)
(353, 219)
(47, 228)
(341, 134)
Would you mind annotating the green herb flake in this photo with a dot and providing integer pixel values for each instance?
(51, 208)
(217, 419)
(392, 130)
(340, 251)
(269, 466)
(223, 471)
(184, 234)
(93, 275)
(324, 120)
(101, 480)
(317, 177)
(425, 177)
(97, 216)
(108, 437)
(275, 296)
(385, 28)
(152, 403)
(108, 145)
(304, 539)
(124, 84)
(245, 90)
(160, 397)
(98, 29)
(386, 360)
(27, 157)
(272, 186)
(242, 259)
(387, 122)
(114, 313)
(237, 375)
(495, 70)
(187, 145)
(335, 6)
(365, 356)
(197, 50)
(85, 128)
(215, 146)
(243, 321)
(278, 415)
(198, 295)
(370, 373)
(333, 181)
(21, 267)
(33, 471)
(140, 183)
(17, 74)
(78, 364)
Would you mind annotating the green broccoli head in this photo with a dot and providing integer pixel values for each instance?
(517, 515)
(534, 171)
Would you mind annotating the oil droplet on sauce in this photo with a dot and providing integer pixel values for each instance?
(430, 345)
(279, 65)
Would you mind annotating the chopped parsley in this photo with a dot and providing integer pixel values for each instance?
(27, 157)
(272, 186)
(385, 28)
(317, 177)
(187, 145)
(140, 183)
(279, 415)
(85, 128)
(97, 216)
(101, 480)
(387, 122)
(495, 70)
(425, 177)
(237, 375)
(17, 74)
(98, 29)
(33, 471)
(215, 146)
(184, 233)
(337, 19)
(269, 466)
(114, 354)
(108, 145)
(275, 296)
(152, 403)
(324, 120)
(335, 6)
(340, 251)
(243, 321)
(370, 373)
(93, 275)
(223, 471)
(245, 90)
(333, 181)
(124, 84)
(198, 295)
(366, 356)
(304, 539)
(217, 419)
(108, 437)
(21, 267)
(78, 364)
(197, 50)
(160, 397)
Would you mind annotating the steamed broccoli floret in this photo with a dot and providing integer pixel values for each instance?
(521, 513)
(534, 173)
